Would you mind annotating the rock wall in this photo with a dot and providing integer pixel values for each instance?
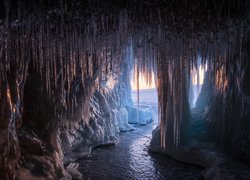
(48, 139)
(226, 103)
(107, 117)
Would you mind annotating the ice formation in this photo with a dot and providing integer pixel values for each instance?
(56, 55)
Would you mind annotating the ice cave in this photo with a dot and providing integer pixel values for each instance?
(124, 89)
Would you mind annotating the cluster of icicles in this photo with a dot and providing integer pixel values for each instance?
(172, 59)
(60, 48)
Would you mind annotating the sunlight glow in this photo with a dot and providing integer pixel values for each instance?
(142, 83)
(197, 75)
(194, 74)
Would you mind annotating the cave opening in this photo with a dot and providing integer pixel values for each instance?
(197, 80)
(145, 97)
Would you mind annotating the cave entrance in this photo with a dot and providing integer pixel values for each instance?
(145, 97)
(196, 82)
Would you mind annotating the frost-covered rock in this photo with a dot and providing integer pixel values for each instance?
(101, 129)
(107, 117)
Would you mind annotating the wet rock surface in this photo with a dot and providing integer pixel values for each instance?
(130, 159)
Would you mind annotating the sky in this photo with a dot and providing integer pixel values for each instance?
(194, 74)
(142, 83)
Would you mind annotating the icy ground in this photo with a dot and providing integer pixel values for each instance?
(130, 159)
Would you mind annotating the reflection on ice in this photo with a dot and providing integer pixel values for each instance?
(129, 159)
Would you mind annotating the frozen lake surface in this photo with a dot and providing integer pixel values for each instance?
(148, 99)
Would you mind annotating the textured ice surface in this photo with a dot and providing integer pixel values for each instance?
(107, 116)
(121, 117)
(148, 107)
(142, 116)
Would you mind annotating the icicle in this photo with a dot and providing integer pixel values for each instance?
(198, 77)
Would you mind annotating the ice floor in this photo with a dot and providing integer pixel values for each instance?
(130, 159)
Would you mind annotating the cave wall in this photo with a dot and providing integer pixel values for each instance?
(11, 106)
(42, 118)
(61, 133)
(225, 99)
(107, 117)
(62, 67)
